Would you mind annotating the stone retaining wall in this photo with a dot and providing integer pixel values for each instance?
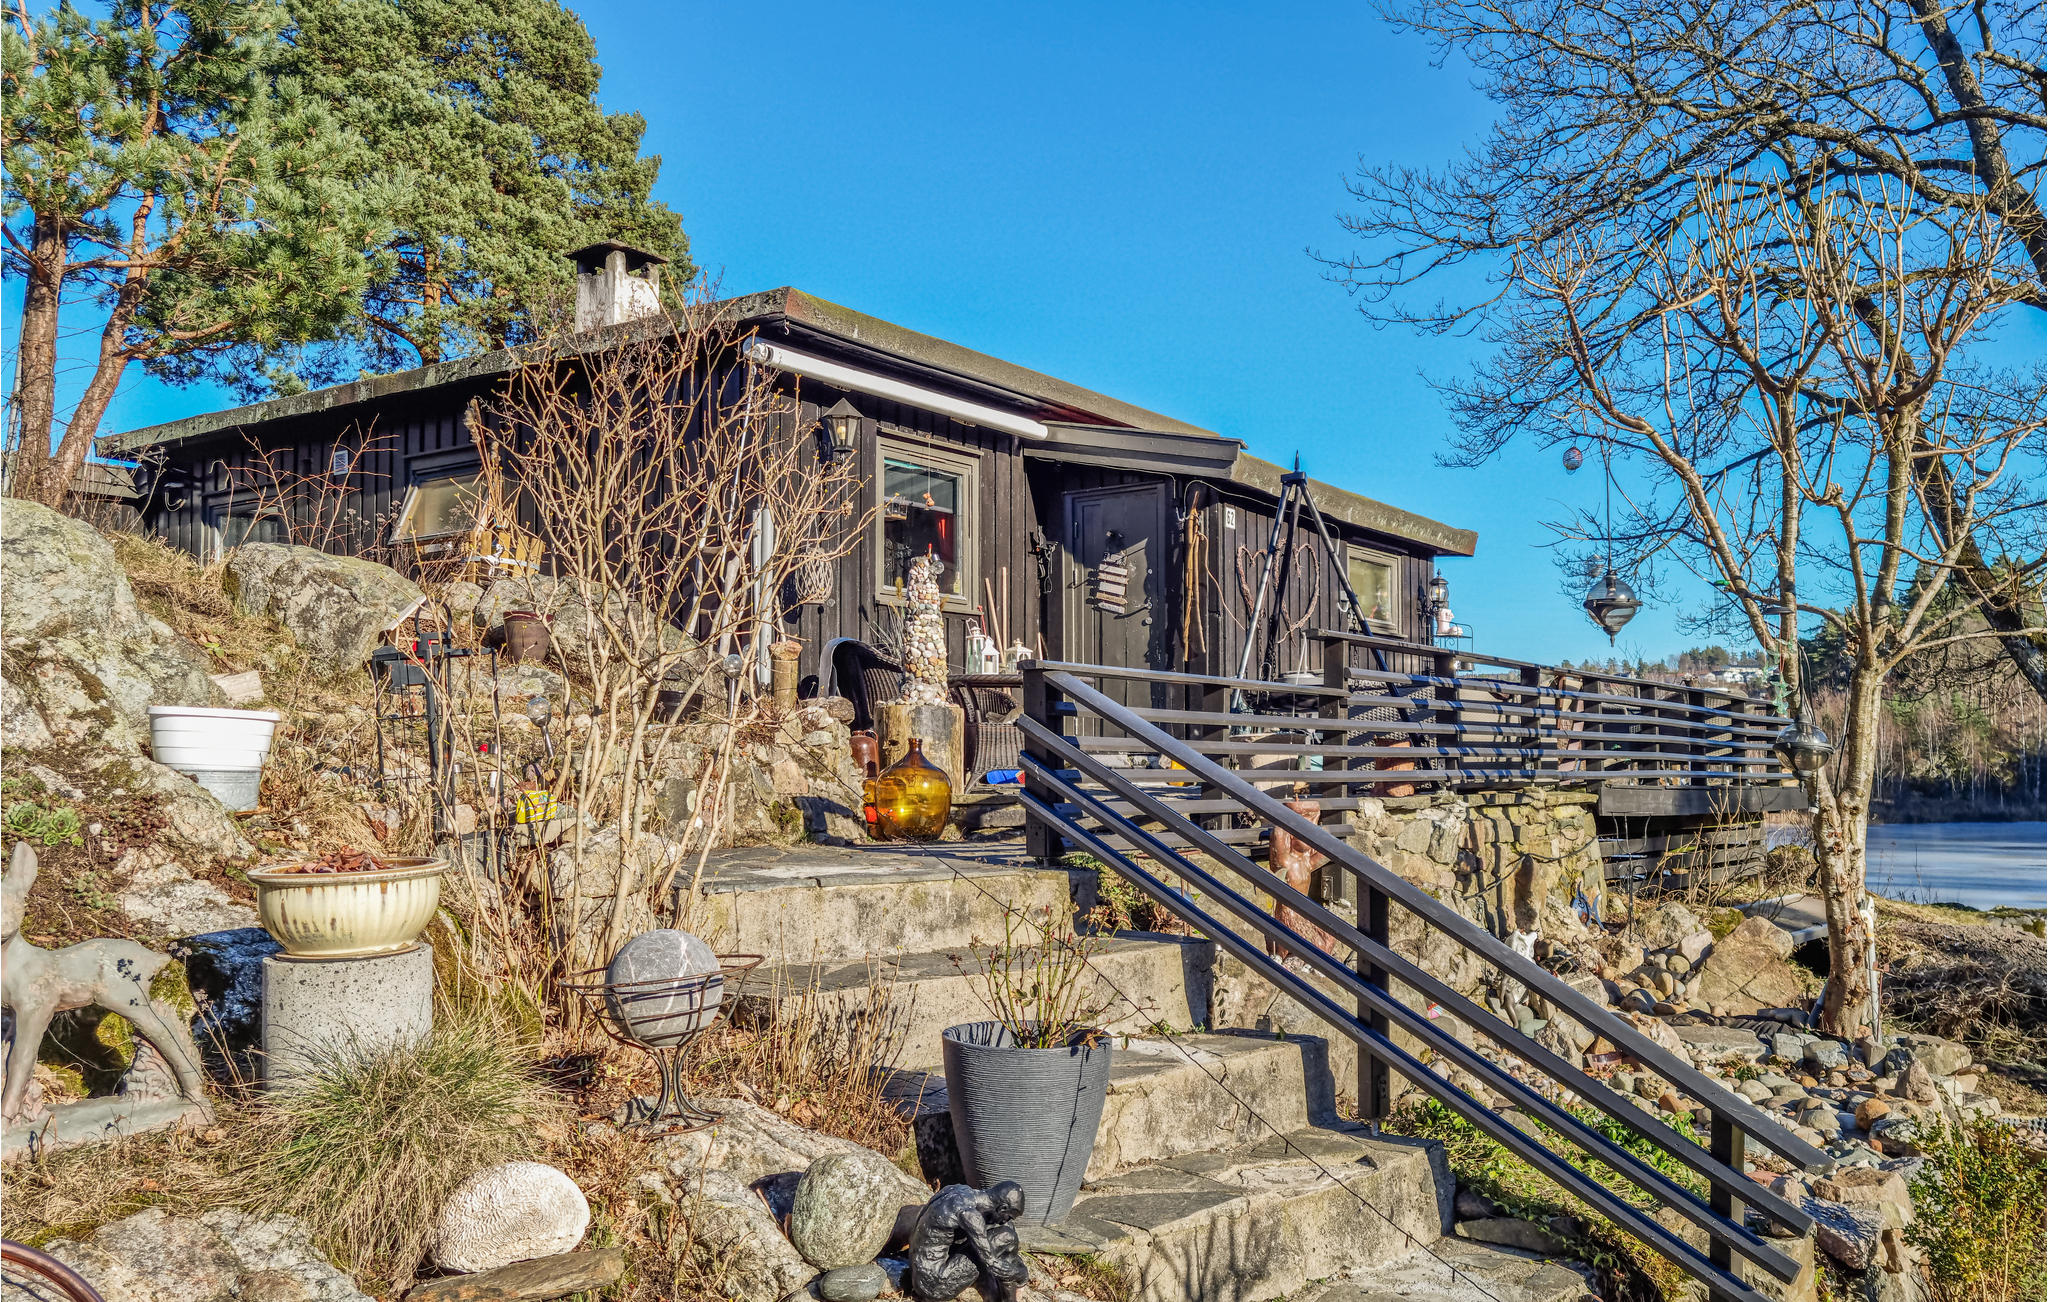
(1509, 861)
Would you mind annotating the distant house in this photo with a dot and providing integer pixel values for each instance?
(1025, 484)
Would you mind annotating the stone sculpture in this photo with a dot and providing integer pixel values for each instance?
(963, 1235)
(36, 984)
(651, 996)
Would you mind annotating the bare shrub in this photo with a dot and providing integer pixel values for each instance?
(676, 489)
(815, 1058)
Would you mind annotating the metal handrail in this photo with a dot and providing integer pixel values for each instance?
(1736, 1236)
(1055, 764)
(1455, 925)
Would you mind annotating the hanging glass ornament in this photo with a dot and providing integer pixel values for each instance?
(1611, 603)
(1573, 459)
(1803, 747)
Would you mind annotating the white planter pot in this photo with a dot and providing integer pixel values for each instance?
(221, 750)
(348, 915)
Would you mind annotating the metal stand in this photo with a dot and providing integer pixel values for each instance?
(1275, 563)
(671, 1111)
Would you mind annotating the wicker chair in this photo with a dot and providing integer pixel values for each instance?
(866, 678)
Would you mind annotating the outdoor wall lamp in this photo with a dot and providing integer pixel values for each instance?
(842, 430)
(1611, 603)
(1803, 747)
(1439, 592)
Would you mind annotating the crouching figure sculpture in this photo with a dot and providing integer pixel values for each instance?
(37, 984)
(964, 1235)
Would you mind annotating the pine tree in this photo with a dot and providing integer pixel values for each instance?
(166, 172)
(484, 115)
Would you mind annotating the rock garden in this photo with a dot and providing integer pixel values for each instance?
(424, 1013)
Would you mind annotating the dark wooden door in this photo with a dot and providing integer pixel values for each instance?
(1115, 604)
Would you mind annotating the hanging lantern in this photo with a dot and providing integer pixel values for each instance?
(1611, 603)
(1803, 747)
(1573, 459)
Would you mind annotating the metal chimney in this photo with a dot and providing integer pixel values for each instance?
(614, 283)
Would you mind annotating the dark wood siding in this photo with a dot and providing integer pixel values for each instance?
(1016, 500)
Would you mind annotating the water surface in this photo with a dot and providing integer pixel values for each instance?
(1982, 865)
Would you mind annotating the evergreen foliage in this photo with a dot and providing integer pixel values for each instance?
(167, 170)
(483, 115)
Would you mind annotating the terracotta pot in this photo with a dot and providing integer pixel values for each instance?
(348, 915)
(867, 753)
(526, 636)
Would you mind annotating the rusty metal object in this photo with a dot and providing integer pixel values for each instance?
(42, 1277)
(1296, 863)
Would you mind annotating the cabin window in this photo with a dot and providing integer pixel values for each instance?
(926, 507)
(248, 525)
(436, 508)
(1372, 582)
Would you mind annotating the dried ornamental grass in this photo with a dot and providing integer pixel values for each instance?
(369, 1149)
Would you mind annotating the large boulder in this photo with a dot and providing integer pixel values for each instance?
(1667, 924)
(1750, 968)
(80, 661)
(337, 607)
(227, 1255)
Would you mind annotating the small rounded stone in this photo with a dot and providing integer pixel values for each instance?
(861, 1283)
(844, 1209)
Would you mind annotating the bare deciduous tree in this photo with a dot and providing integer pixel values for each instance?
(676, 490)
(1755, 251)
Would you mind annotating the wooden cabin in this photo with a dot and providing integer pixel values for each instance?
(1093, 530)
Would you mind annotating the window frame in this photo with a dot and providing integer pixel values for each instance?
(896, 445)
(1391, 562)
(399, 538)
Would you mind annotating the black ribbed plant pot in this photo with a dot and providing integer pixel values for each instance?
(1028, 1115)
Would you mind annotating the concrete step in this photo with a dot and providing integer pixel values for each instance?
(1168, 1097)
(805, 903)
(1261, 1221)
(906, 1000)
(1457, 1270)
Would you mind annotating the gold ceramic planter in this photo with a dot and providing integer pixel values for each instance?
(348, 915)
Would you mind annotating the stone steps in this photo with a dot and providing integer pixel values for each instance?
(1454, 1270)
(807, 904)
(1145, 982)
(1263, 1220)
(1168, 1097)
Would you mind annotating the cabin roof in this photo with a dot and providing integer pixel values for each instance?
(1088, 427)
(1159, 452)
(786, 307)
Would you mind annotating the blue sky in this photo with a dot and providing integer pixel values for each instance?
(1119, 195)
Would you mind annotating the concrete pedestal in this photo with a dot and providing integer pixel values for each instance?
(318, 1009)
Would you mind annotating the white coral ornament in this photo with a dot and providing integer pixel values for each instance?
(514, 1211)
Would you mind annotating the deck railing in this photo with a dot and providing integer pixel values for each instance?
(1135, 787)
(1423, 714)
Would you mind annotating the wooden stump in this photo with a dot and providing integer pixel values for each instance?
(942, 728)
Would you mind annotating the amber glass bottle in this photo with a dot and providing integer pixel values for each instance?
(911, 799)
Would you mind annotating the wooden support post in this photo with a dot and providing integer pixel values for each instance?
(1727, 1143)
(1532, 676)
(1444, 664)
(1215, 700)
(1337, 673)
(1041, 843)
(1375, 1097)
